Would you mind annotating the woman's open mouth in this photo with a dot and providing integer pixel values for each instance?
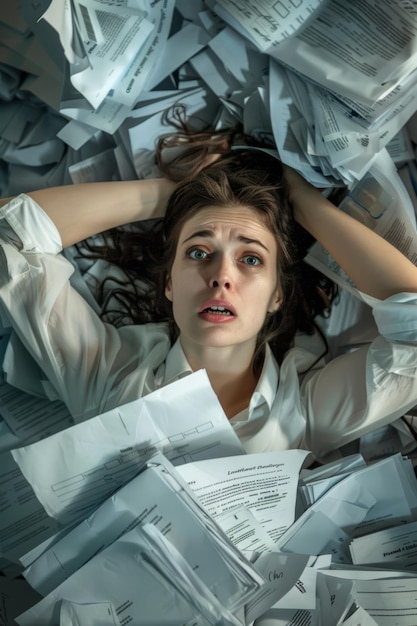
(217, 312)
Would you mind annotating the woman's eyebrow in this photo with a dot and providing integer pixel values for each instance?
(210, 234)
(250, 241)
(200, 233)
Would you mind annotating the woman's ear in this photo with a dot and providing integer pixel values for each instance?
(168, 288)
(275, 302)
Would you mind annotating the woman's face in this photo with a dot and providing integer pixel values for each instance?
(224, 278)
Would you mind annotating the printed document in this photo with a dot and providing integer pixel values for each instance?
(362, 51)
(265, 483)
(94, 458)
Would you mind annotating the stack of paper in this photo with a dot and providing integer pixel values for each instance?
(351, 499)
(225, 538)
(94, 518)
(348, 597)
(74, 470)
(352, 72)
(152, 553)
(376, 497)
(330, 86)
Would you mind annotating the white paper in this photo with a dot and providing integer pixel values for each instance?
(30, 417)
(268, 22)
(376, 497)
(282, 115)
(95, 457)
(245, 532)
(97, 614)
(315, 482)
(288, 617)
(100, 167)
(121, 574)
(381, 202)
(388, 601)
(303, 594)
(124, 32)
(360, 618)
(347, 51)
(265, 483)
(385, 441)
(24, 522)
(392, 547)
(281, 571)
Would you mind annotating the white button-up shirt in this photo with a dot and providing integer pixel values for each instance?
(93, 366)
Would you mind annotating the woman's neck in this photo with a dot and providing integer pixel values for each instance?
(233, 390)
(232, 376)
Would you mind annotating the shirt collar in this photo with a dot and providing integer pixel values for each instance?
(266, 389)
(176, 364)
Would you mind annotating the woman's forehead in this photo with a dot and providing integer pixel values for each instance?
(231, 217)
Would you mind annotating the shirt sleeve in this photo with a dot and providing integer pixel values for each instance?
(25, 224)
(92, 366)
(366, 388)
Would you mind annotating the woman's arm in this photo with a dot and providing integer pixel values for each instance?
(375, 266)
(79, 211)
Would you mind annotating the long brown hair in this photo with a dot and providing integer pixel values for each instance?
(212, 172)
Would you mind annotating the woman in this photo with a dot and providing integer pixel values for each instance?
(231, 276)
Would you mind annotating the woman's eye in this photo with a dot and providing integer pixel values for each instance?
(250, 259)
(197, 254)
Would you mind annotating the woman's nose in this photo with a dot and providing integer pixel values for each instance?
(221, 275)
(217, 283)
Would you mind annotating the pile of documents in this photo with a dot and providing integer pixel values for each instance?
(83, 85)
(152, 523)
(104, 523)
(84, 463)
(152, 553)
